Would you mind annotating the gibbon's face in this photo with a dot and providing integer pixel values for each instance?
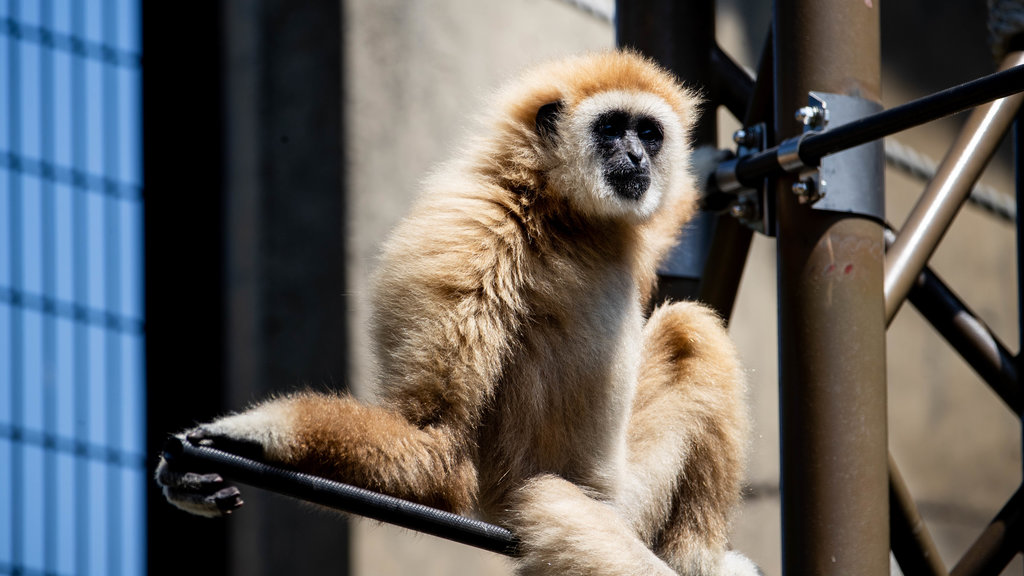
(618, 152)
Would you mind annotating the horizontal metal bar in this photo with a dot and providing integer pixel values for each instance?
(812, 146)
(351, 499)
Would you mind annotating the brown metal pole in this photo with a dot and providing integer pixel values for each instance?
(835, 489)
(946, 193)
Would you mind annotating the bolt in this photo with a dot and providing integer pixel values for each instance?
(806, 191)
(739, 210)
(742, 137)
(811, 116)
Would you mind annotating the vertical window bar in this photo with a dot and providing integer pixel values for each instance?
(80, 285)
(49, 256)
(112, 286)
(17, 464)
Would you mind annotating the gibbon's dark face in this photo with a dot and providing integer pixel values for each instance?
(627, 144)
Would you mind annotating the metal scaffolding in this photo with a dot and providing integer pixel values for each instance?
(816, 186)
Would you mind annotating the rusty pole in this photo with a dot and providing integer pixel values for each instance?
(835, 497)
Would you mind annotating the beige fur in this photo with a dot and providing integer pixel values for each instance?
(518, 376)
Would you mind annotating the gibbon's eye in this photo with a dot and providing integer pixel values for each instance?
(611, 125)
(649, 130)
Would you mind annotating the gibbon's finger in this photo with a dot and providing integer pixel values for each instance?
(204, 436)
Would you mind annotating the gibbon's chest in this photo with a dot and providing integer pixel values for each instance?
(565, 397)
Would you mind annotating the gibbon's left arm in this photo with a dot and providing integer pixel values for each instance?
(442, 344)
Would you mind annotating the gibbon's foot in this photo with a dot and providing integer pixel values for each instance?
(197, 493)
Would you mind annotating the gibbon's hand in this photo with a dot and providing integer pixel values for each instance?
(203, 493)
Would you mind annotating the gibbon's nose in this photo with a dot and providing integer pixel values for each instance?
(635, 152)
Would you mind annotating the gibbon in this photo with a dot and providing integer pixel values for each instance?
(521, 379)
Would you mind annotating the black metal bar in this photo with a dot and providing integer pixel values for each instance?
(751, 169)
(730, 243)
(968, 335)
(344, 497)
(998, 544)
(911, 543)
(734, 88)
(914, 113)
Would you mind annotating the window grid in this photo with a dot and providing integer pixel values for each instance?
(72, 469)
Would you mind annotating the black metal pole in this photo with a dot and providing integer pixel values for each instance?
(343, 497)
(751, 169)
(681, 37)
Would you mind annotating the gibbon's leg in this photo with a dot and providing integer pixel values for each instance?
(565, 531)
(687, 442)
(334, 437)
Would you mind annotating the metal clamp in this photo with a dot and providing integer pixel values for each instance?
(836, 185)
(750, 205)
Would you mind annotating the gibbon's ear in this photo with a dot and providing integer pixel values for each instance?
(546, 118)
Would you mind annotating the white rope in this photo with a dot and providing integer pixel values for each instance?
(923, 167)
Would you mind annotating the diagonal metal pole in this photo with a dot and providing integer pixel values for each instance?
(834, 472)
(947, 192)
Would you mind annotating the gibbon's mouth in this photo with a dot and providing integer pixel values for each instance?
(630, 184)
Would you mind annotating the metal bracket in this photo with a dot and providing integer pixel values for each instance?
(752, 207)
(837, 184)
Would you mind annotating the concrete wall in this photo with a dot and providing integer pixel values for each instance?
(416, 71)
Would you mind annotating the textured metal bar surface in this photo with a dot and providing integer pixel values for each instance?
(343, 497)
(833, 420)
(946, 193)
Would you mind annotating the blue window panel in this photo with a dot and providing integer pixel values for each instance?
(62, 16)
(98, 520)
(94, 22)
(129, 21)
(32, 388)
(32, 505)
(65, 502)
(31, 237)
(5, 91)
(65, 381)
(30, 99)
(6, 414)
(6, 230)
(131, 246)
(95, 127)
(133, 398)
(26, 12)
(95, 254)
(134, 520)
(64, 243)
(95, 393)
(129, 98)
(6, 498)
(63, 105)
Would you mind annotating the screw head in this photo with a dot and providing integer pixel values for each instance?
(810, 115)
